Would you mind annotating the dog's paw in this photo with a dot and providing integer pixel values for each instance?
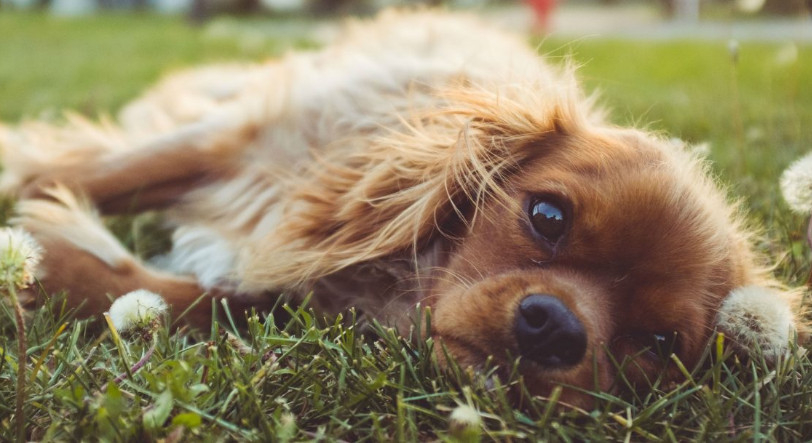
(757, 319)
(79, 256)
(65, 218)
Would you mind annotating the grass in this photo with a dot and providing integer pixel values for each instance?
(97, 64)
(310, 378)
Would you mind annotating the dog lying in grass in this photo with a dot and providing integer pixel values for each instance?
(423, 158)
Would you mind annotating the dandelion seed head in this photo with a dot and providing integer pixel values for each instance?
(136, 309)
(287, 420)
(465, 423)
(755, 317)
(796, 185)
(20, 255)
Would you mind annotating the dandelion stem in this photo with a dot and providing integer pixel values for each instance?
(738, 122)
(137, 366)
(21, 359)
(122, 352)
(809, 243)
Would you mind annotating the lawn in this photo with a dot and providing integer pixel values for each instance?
(309, 378)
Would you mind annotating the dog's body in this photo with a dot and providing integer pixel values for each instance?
(421, 159)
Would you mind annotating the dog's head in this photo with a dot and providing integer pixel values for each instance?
(604, 250)
(580, 248)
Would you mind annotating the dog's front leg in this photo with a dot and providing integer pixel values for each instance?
(83, 259)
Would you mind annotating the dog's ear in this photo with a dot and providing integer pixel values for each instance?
(758, 319)
(391, 192)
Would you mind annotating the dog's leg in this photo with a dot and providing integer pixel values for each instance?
(152, 176)
(84, 259)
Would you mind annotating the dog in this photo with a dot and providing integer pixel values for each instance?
(422, 159)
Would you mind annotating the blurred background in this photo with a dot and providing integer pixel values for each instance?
(538, 13)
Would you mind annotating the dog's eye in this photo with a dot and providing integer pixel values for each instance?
(548, 219)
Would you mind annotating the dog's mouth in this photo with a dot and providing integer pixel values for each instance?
(569, 339)
(630, 361)
(546, 344)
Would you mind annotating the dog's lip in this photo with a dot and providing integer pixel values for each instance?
(503, 363)
(528, 365)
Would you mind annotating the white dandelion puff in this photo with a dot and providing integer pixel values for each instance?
(465, 424)
(136, 309)
(796, 185)
(756, 318)
(20, 255)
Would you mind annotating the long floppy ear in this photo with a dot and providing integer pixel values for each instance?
(374, 196)
(760, 319)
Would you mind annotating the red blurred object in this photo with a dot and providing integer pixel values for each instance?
(543, 9)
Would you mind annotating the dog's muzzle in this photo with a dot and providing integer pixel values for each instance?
(549, 333)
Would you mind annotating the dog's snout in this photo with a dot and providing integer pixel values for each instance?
(548, 332)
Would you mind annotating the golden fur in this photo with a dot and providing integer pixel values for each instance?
(392, 168)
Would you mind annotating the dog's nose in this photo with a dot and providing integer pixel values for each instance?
(548, 332)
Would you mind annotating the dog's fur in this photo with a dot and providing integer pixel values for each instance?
(396, 167)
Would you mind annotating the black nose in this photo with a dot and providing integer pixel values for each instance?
(548, 332)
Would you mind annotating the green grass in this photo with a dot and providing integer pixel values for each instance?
(97, 64)
(316, 379)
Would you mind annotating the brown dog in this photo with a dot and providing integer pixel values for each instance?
(423, 158)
